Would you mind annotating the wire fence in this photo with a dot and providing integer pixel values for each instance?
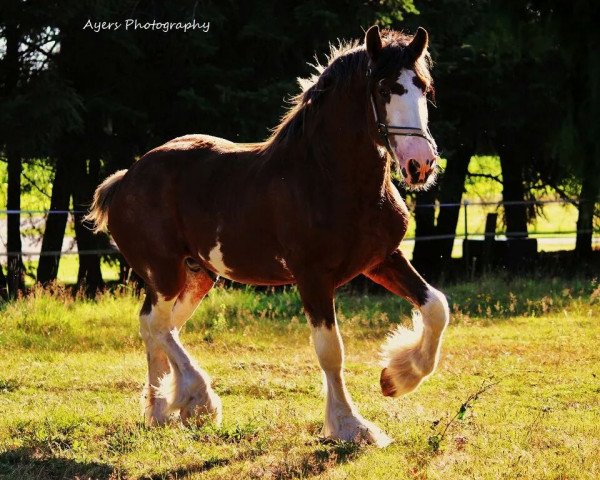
(464, 206)
(467, 203)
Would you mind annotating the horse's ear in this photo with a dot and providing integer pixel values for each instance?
(373, 43)
(419, 43)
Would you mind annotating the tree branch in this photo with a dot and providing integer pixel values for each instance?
(485, 175)
(34, 185)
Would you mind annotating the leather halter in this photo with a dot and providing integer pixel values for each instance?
(386, 130)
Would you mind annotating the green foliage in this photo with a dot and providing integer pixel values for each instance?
(37, 117)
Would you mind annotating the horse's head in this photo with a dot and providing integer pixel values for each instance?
(399, 82)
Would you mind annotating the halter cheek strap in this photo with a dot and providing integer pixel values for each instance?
(386, 130)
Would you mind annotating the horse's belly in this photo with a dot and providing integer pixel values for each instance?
(244, 263)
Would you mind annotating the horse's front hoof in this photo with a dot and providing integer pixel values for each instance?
(387, 385)
(354, 428)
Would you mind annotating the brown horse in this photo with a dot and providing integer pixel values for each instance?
(314, 205)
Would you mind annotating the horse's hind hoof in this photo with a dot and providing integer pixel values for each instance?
(198, 411)
(154, 409)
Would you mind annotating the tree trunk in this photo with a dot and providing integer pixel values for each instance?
(55, 223)
(3, 287)
(89, 276)
(513, 190)
(451, 191)
(431, 256)
(424, 230)
(15, 270)
(589, 198)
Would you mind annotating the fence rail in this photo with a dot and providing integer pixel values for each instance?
(561, 234)
(465, 203)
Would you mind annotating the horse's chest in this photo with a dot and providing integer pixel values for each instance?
(381, 231)
(357, 240)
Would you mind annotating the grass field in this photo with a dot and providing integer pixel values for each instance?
(71, 371)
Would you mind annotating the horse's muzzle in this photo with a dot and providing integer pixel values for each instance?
(418, 173)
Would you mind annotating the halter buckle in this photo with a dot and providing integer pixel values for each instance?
(382, 129)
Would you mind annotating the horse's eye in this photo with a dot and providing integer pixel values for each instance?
(385, 92)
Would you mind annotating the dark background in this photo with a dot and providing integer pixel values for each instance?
(517, 79)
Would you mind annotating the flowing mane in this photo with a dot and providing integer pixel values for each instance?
(345, 60)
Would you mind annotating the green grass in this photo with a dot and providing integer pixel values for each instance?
(71, 371)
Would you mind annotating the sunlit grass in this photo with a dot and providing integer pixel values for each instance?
(71, 371)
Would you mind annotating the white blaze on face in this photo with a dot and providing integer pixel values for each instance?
(407, 108)
(410, 108)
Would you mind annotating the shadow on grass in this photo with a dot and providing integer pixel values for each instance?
(187, 470)
(327, 455)
(28, 463)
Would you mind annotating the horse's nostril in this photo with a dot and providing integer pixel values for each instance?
(413, 169)
(413, 166)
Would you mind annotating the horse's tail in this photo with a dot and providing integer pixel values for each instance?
(103, 196)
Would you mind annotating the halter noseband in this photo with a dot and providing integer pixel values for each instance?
(386, 130)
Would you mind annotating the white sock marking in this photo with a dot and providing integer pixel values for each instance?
(342, 419)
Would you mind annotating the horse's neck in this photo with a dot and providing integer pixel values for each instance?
(350, 150)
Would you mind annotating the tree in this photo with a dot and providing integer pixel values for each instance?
(517, 81)
(574, 25)
(34, 106)
(11, 64)
(456, 119)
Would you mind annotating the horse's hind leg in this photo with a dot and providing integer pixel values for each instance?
(193, 394)
(185, 387)
(154, 407)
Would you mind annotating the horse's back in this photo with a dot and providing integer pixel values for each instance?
(196, 143)
(191, 194)
(203, 160)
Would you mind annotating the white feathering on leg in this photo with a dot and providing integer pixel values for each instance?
(409, 356)
(402, 339)
(167, 389)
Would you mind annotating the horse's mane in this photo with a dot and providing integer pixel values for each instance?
(345, 60)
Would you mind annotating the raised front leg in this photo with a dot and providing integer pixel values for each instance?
(342, 420)
(410, 355)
